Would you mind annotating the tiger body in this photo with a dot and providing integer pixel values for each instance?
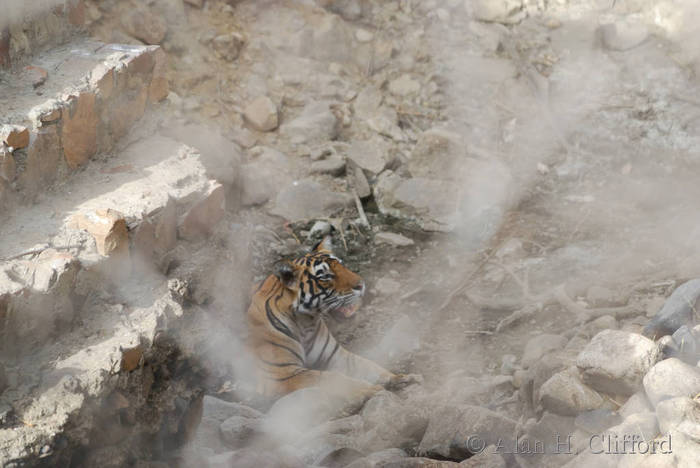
(290, 340)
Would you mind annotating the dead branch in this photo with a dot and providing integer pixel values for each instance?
(360, 209)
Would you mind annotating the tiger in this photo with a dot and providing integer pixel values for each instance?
(290, 340)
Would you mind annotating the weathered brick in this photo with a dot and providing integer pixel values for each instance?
(199, 221)
(158, 89)
(108, 228)
(80, 130)
(7, 164)
(15, 136)
(43, 159)
(76, 12)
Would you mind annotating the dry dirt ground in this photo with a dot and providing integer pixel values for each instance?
(573, 148)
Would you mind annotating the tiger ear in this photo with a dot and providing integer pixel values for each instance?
(325, 245)
(288, 274)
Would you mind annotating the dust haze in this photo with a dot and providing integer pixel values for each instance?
(17, 10)
(567, 161)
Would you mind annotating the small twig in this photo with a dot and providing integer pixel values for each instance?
(478, 332)
(360, 209)
(38, 251)
(411, 293)
(463, 285)
(527, 311)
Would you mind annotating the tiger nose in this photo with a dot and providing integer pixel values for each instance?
(359, 288)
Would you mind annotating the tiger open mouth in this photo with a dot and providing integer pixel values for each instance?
(347, 311)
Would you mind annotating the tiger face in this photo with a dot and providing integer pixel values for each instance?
(322, 284)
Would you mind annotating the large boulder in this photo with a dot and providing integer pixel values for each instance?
(565, 394)
(678, 310)
(316, 123)
(307, 199)
(671, 378)
(680, 414)
(615, 361)
(432, 204)
(452, 430)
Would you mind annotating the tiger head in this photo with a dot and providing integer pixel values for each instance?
(321, 283)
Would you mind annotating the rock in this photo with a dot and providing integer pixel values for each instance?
(677, 311)
(404, 86)
(334, 165)
(482, 391)
(643, 425)
(330, 41)
(262, 178)
(687, 343)
(376, 410)
(159, 88)
(320, 229)
(8, 167)
(451, 427)
(359, 181)
(539, 346)
(431, 203)
(144, 25)
(340, 457)
(195, 3)
(503, 11)
(548, 430)
(316, 123)
(221, 410)
(439, 154)
(488, 458)
(680, 414)
(606, 322)
(634, 356)
(228, 46)
(236, 431)
(623, 34)
(254, 458)
(298, 412)
(362, 35)
(377, 459)
(79, 133)
(261, 114)
(307, 199)
(108, 228)
(202, 217)
(599, 296)
(540, 372)
(509, 364)
(367, 102)
(597, 421)
(370, 155)
(385, 122)
(565, 394)
(637, 403)
(419, 462)
(392, 238)
(350, 10)
(14, 136)
(388, 421)
(671, 378)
